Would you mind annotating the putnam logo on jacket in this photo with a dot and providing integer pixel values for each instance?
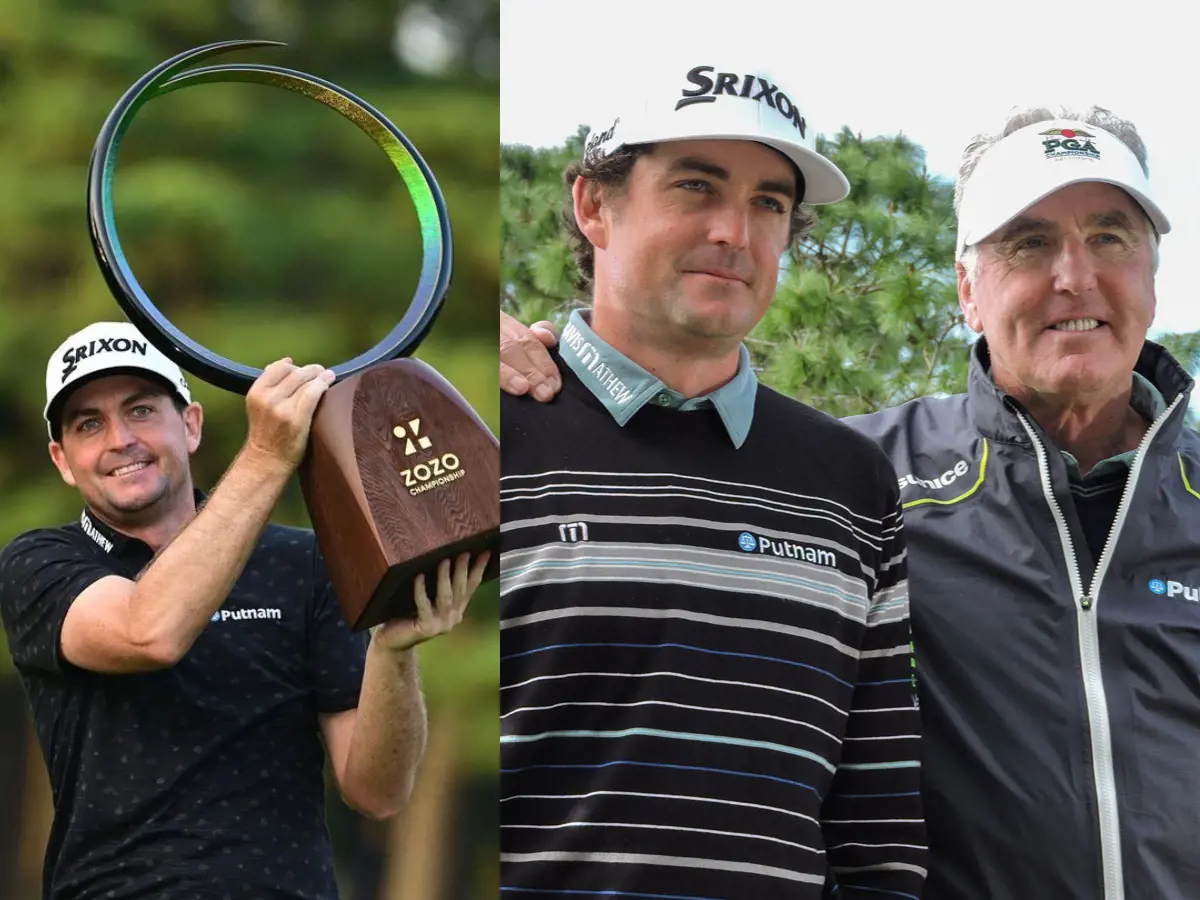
(1174, 589)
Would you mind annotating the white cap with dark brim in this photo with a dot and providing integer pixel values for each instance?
(707, 103)
(106, 347)
(1033, 162)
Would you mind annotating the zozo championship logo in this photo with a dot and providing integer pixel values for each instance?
(433, 473)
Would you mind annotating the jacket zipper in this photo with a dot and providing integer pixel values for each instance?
(1089, 652)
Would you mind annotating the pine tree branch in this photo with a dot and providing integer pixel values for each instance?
(937, 350)
(846, 242)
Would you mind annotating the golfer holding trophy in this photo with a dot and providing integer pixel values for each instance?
(189, 665)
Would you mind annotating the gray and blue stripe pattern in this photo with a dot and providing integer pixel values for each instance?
(706, 684)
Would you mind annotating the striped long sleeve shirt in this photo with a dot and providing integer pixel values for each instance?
(707, 689)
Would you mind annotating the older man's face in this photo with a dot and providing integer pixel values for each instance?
(1065, 295)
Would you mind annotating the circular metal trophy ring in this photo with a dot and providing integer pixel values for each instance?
(432, 216)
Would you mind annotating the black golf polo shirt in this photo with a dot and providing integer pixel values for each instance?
(204, 780)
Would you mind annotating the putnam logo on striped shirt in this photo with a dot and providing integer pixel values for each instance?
(758, 544)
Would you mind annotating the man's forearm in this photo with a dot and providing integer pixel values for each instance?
(389, 733)
(176, 595)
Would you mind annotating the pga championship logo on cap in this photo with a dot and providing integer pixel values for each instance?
(1012, 175)
(1071, 143)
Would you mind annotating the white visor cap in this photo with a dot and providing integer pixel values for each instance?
(1035, 161)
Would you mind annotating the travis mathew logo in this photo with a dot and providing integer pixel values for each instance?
(75, 355)
(752, 87)
(589, 357)
(91, 531)
(573, 532)
(1069, 142)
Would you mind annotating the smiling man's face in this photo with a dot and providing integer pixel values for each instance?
(692, 242)
(125, 445)
(1064, 295)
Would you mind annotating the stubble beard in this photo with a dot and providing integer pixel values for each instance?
(132, 508)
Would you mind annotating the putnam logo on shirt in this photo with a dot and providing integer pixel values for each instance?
(751, 543)
(1174, 589)
(237, 615)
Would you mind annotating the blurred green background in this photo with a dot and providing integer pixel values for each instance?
(264, 225)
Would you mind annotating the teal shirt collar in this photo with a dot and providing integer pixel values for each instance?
(624, 387)
(1148, 402)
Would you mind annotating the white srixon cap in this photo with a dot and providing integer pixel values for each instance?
(708, 103)
(104, 347)
(1035, 161)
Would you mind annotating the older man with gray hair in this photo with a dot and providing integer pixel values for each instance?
(1053, 518)
(1057, 650)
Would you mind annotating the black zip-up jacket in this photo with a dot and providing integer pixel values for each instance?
(1061, 716)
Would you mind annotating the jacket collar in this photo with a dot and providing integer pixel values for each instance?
(993, 412)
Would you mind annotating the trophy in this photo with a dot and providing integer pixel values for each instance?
(400, 471)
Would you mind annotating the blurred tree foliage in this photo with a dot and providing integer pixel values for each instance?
(261, 222)
(537, 271)
(866, 315)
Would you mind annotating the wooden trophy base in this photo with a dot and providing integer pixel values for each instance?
(400, 473)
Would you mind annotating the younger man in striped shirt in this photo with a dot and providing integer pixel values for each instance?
(706, 680)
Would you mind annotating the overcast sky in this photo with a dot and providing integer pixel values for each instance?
(938, 71)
